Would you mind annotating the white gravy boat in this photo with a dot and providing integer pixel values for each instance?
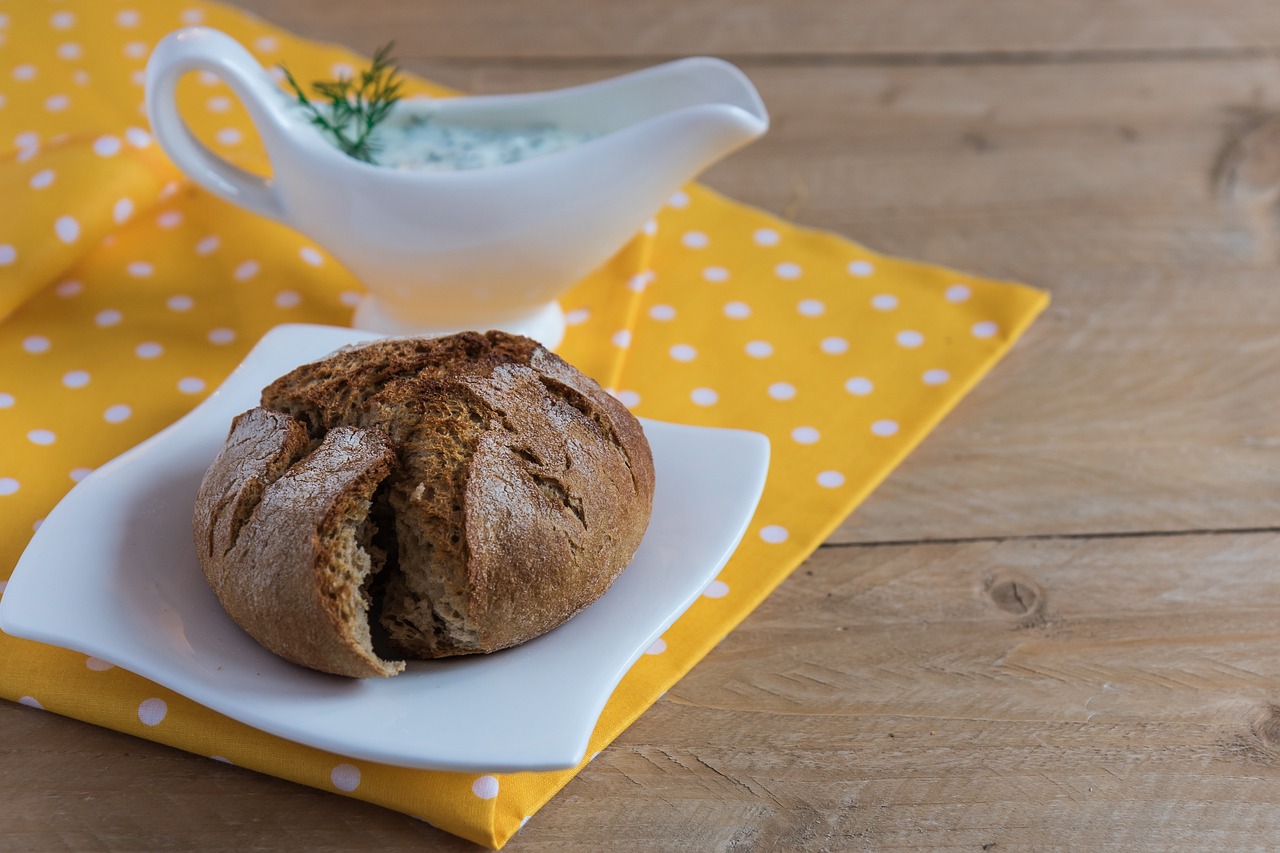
(481, 248)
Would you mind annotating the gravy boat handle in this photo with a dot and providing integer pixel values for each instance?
(201, 49)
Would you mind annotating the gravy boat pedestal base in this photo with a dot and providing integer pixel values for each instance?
(546, 325)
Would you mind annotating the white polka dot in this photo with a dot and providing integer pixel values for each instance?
(6, 400)
(192, 16)
(229, 136)
(69, 51)
(910, 338)
(25, 154)
(69, 288)
(715, 274)
(345, 777)
(486, 787)
(831, 479)
(679, 198)
(78, 474)
(122, 210)
(169, 219)
(8, 485)
(958, 293)
(985, 329)
(190, 385)
(180, 302)
(266, 43)
(766, 237)
(208, 245)
(805, 435)
(288, 299)
(737, 310)
(695, 240)
(621, 338)
(704, 396)
(43, 437)
(128, 18)
(98, 664)
(137, 137)
(937, 376)
(67, 229)
(117, 413)
(28, 139)
(759, 349)
(62, 20)
(640, 281)
(859, 386)
(152, 711)
(81, 77)
(221, 336)
(650, 227)
(683, 352)
(7, 254)
(862, 269)
(716, 589)
(139, 79)
(41, 179)
(311, 255)
(139, 269)
(657, 647)
(246, 270)
(782, 391)
(787, 269)
(76, 378)
(662, 312)
(108, 317)
(148, 349)
(106, 146)
(24, 73)
(834, 345)
(577, 316)
(774, 533)
(884, 302)
(30, 702)
(811, 308)
(884, 428)
(56, 103)
(35, 344)
(352, 298)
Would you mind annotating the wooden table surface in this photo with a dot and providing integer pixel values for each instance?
(1058, 623)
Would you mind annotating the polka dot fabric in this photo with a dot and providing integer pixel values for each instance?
(127, 295)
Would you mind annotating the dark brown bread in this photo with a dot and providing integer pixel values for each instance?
(513, 493)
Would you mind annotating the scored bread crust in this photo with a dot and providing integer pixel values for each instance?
(481, 491)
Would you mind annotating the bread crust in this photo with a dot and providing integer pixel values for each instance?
(493, 491)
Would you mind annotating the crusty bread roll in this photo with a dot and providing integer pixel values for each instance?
(422, 498)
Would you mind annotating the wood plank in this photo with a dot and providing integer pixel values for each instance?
(571, 29)
(1119, 693)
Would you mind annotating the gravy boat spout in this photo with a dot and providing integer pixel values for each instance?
(478, 248)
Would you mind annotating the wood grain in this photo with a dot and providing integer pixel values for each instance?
(832, 30)
(1056, 624)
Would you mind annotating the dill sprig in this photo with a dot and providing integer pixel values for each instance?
(355, 105)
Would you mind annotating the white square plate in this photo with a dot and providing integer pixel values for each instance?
(112, 572)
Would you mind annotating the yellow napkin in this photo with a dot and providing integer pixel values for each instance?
(126, 295)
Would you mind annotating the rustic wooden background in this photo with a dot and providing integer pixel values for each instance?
(1058, 624)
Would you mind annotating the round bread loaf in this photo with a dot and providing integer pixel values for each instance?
(422, 498)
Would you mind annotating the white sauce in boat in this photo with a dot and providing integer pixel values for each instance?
(415, 137)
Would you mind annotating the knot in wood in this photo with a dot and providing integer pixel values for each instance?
(1266, 728)
(1016, 594)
